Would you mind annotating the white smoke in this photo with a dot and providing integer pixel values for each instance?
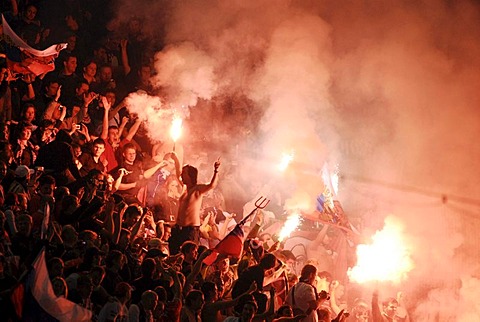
(389, 90)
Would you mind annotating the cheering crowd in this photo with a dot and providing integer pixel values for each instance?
(126, 229)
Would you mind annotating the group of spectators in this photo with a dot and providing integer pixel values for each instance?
(125, 227)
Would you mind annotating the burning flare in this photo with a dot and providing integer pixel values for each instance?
(289, 226)
(387, 258)
(286, 160)
(176, 129)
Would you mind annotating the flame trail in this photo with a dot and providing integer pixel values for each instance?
(289, 226)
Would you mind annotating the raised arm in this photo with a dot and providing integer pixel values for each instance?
(214, 182)
(106, 106)
(178, 167)
(30, 94)
(117, 222)
(147, 174)
(126, 65)
(136, 227)
(376, 313)
(196, 269)
(133, 130)
(117, 109)
(108, 224)
(121, 173)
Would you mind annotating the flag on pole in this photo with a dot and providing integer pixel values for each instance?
(232, 244)
(23, 59)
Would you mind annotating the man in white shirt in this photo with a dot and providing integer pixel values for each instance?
(303, 296)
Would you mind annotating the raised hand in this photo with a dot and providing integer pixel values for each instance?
(106, 103)
(216, 165)
(123, 43)
(29, 78)
(59, 93)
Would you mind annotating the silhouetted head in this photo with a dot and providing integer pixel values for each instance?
(189, 175)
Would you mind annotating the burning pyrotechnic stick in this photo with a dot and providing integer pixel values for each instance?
(176, 130)
(289, 226)
(287, 158)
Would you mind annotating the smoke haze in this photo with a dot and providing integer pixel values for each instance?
(389, 92)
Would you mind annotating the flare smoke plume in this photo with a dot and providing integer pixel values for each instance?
(389, 90)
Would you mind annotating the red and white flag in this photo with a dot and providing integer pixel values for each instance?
(23, 59)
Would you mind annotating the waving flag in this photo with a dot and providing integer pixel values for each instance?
(23, 59)
(232, 244)
(41, 301)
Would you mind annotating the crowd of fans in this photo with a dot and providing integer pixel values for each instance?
(128, 228)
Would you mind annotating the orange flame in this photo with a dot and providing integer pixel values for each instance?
(289, 226)
(387, 258)
(287, 158)
(176, 129)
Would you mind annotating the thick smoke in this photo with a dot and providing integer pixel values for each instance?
(388, 90)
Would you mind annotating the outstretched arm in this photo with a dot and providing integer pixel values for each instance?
(106, 106)
(124, 53)
(133, 130)
(147, 174)
(196, 269)
(214, 182)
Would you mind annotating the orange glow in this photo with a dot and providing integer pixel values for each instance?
(387, 258)
(176, 129)
(289, 226)
(286, 160)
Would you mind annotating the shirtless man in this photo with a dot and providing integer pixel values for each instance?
(190, 203)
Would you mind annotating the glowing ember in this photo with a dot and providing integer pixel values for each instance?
(387, 258)
(289, 226)
(176, 129)
(286, 160)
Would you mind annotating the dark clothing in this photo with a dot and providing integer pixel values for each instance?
(136, 171)
(24, 155)
(69, 83)
(22, 246)
(181, 235)
(89, 164)
(166, 210)
(29, 31)
(142, 284)
(58, 160)
(111, 280)
(6, 306)
(251, 274)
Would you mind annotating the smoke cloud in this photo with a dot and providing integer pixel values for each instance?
(388, 90)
